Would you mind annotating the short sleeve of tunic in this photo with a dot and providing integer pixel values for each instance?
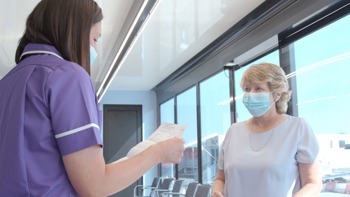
(73, 108)
(223, 147)
(308, 147)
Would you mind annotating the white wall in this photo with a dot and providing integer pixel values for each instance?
(149, 114)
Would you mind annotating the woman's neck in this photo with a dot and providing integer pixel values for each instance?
(265, 122)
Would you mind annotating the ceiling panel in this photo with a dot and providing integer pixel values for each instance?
(177, 30)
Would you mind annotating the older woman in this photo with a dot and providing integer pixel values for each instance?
(271, 154)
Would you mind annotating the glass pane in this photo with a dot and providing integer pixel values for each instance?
(215, 121)
(167, 115)
(323, 95)
(167, 111)
(242, 113)
(186, 104)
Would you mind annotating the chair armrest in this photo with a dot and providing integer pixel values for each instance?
(143, 187)
(159, 190)
(172, 193)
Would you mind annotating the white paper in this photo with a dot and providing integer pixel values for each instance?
(165, 131)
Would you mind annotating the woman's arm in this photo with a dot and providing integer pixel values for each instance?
(90, 176)
(310, 176)
(219, 183)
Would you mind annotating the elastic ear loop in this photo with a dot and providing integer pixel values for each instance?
(278, 98)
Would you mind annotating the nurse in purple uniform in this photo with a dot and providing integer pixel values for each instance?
(50, 138)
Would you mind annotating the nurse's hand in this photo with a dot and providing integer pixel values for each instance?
(171, 150)
(217, 194)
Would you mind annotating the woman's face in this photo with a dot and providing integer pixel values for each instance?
(256, 87)
(95, 34)
(261, 87)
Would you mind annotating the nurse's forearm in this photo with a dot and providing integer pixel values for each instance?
(128, 171)
(90, 176)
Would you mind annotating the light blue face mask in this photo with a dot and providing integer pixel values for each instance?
(257, 103)
(93, 55)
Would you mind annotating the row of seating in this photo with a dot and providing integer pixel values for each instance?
(166, 187)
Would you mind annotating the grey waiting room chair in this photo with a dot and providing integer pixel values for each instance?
(190, 191)
(138, 189)
(203, 191)
(178, 184)
(165, 185)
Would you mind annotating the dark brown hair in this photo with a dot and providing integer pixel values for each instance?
(64, 24)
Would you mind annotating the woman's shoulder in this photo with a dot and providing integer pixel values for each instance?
(298, 124)
(236, 127)
(238, 124)
(295, 120)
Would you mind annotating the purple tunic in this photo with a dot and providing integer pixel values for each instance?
(48, 109)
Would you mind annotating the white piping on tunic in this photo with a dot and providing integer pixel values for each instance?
(40, 52)
(70, 132)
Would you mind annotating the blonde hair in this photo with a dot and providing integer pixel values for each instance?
(275, 78)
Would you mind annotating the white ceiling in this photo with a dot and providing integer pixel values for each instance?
(177, 30)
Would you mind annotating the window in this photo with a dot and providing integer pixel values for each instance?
(167, 114)
(215, 121)
(322, 87)
(318, 67)
(186, 107)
